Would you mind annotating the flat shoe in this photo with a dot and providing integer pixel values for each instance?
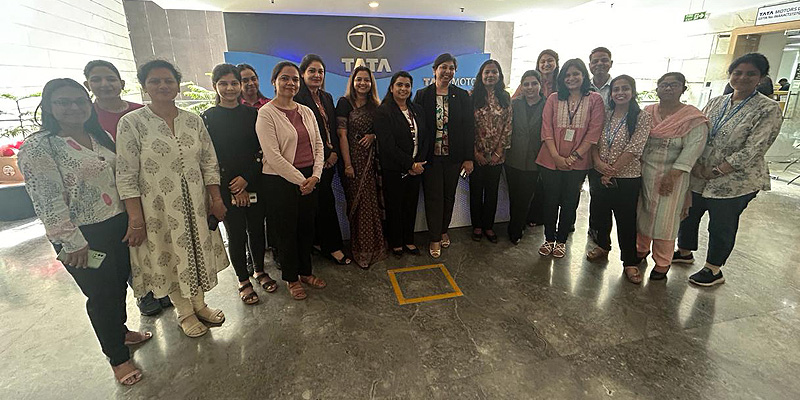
(313, 281)
(131, 377)
(446, 242)
(414, 251)
(145, 337)
(658, 276)
(398, 252)
(210, 315)
(492, 238)
(296, 290)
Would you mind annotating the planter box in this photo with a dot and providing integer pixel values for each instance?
(9, 170)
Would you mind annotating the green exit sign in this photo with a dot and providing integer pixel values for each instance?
(695, 16)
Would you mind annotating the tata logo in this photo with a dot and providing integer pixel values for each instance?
(366, 38)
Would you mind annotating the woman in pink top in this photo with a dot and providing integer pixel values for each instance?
(293, 159)
(104, 81)
(572, 123)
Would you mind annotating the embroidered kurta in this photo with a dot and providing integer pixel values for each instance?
(616, 140)
(492, 127)
(69, 185)
(742, 141)
(170, 174)
(658, 217)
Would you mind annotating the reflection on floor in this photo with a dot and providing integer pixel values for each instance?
(526, 327)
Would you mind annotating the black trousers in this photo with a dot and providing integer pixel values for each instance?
(440, 182)
(105, 288)
(562, 193)
(621, 202)
(484, 182)
(537, 204)
(723, 224)
(328, 235)
(292, 215)
(521, 187)
(245, 228)
(400, 195)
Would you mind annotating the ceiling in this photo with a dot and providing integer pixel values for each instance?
(477, 10)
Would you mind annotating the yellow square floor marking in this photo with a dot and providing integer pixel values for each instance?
(399, 293)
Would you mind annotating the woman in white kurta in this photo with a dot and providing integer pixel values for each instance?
(676, 141)
(166, 172)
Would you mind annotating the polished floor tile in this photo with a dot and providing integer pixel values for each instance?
(526, 327)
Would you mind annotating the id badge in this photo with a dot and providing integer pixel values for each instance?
(569, 135)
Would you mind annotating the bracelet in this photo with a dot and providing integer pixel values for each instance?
(576, 155)
(349, 166)
(135, 228)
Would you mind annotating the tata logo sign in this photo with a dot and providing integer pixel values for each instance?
(366, 39)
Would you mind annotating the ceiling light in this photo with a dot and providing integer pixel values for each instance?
(374, 4)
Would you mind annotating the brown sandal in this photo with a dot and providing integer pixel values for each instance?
(635, 277)
(296, 290)
(315, 282)
(127, 376)
(596, 253)
(143, 337)
(266, 282)
(249, 298)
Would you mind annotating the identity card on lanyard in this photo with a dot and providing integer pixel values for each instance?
(722, 119)
(569, 135)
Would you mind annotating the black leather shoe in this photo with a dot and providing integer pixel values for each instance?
(148, 305)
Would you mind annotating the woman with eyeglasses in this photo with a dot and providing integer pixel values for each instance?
(293, 161)
(615, 181)
(572, 122)
(168, 176)
(732, 169)
(355, 113)
(69, 175)
(449, 116)
(677, 139)
(522, 173)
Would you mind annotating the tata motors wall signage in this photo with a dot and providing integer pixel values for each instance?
(778, 13)
(384, 45)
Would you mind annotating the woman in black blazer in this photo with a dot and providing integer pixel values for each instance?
(447, 112)
(327, 234)
(403, 145)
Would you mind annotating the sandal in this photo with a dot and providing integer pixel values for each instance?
(657, 275)
(435, 253)
(210, 315)
(477, 235)
(492, 237)
(560, 250)
(445, 240)
(192, 327)
(249, 298)
(296, 290)
(596, 253)
(266, 282)
(142, 337)
(547, 248)
(127, 373)
(632, 274)
(341, 261)
(313, 281)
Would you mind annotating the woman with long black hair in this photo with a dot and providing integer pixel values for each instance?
(400, 129)
(616, 179)
(492, 108)
(232, 127)
(69, 174)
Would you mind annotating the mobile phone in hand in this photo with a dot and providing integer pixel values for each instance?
(94, 261)
(212, 222)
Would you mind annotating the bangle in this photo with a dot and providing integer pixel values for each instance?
(349, 166)
(135, 228)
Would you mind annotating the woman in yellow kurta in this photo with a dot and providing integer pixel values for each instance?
(676, 141)
(166, 173)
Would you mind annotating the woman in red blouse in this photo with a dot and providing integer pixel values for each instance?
(572, 123)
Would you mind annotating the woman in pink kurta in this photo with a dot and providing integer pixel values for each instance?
(572, 123)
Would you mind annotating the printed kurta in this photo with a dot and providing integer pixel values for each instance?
(658, 216)
(170, 174)
(742, 141)
(492, 127)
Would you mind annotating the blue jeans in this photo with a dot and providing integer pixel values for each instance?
(723, 223)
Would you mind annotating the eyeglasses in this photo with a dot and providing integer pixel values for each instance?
(668, 85)
(80, 102)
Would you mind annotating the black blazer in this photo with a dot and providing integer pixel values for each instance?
(304, 97)
(461, 125)
(395, 143)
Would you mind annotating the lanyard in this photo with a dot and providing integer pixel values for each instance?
(610, 136)
(721, 120)
(572, 114)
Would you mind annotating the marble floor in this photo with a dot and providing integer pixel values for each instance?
(526, 327)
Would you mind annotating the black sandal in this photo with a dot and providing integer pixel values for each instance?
(250, 298)
(266, 282)
(341, 261)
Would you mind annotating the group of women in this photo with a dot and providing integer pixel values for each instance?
(150, 190)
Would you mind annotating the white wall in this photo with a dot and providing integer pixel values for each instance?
(771, 45)
(45, 39)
